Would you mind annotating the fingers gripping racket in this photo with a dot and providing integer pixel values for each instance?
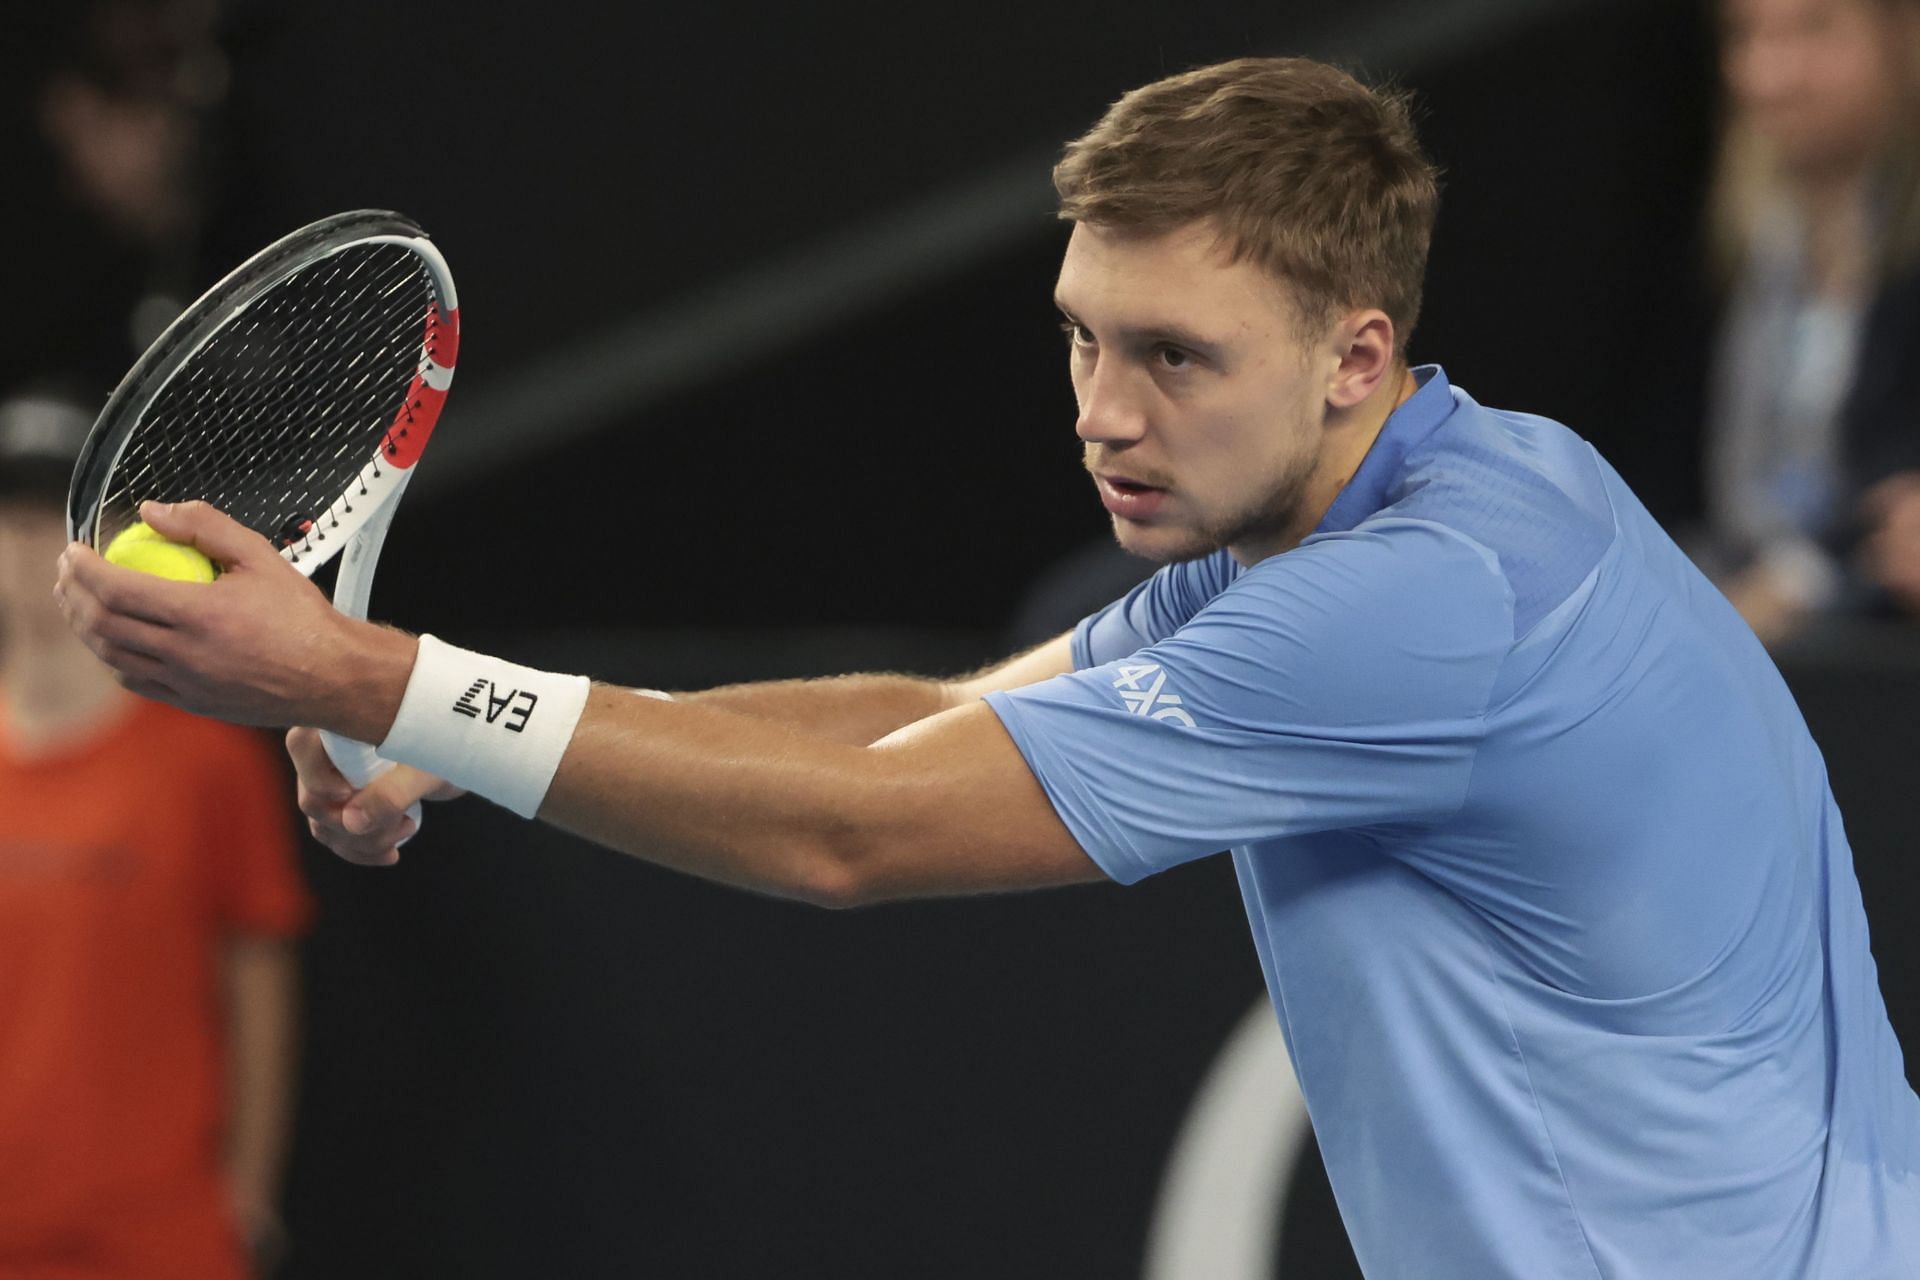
(296, 396)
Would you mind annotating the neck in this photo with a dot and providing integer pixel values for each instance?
(1349, 437)
(53, 689)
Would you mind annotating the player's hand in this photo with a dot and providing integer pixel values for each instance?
(365, 826)
(258, 645)
(1892, 549)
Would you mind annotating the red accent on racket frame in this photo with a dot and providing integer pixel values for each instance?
(443, 337)
(413, 423)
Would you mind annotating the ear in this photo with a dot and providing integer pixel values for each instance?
(1362, 348)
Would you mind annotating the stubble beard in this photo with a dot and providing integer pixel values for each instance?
(1265, 519)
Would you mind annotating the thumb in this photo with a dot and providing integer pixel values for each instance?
(384, 800)
(220, 537)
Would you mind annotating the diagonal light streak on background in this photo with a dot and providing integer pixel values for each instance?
(741, 318)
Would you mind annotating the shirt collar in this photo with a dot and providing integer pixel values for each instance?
(1405, 428)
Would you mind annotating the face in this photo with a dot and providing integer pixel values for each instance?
(1819, 79)
(33, 533)
(1201, 407)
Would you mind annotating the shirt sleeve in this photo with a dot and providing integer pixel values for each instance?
(251, 859)
(1153, 610)
(1343, 684)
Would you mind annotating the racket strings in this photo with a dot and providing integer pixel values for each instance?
(284, 407)
(327, 355)
(274, 337)
(240, 422)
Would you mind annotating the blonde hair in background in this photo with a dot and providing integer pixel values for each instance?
(1747, 181)
(1314, 176)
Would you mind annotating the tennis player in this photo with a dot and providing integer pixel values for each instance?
(1550, 890)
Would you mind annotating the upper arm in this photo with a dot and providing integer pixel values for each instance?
(957, 810)
(1339, 686)
(261, 956)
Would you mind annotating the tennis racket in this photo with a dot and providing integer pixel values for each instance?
(296, 396)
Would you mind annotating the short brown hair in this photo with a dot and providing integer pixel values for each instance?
(1311, 174)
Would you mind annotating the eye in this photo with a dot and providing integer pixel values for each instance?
(1076, 335)
(1172, 357)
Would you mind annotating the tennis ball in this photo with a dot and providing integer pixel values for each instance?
(138, 547)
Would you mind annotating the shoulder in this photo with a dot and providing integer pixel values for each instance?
(1153, 610)
(1391, 569)
(1524, 489)
(1398, 616)
(1199, 581)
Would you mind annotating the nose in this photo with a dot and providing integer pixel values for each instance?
(1111, 412)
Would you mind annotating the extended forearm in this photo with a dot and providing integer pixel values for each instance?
(743, 799)
(943, 804)
(862, 709)
(856, 709)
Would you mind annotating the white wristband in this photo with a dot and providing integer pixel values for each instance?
(494, 727)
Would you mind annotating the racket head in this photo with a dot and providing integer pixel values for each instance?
(296, 395)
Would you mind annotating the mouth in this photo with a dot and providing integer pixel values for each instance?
(1128, 498)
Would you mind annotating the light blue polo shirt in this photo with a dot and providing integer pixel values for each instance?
(1542, 865)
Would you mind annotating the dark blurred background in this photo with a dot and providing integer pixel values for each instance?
(760, 377)
(756, 300)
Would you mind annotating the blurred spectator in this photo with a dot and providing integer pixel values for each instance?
(1813, 467)
(148, 895)
(116, 100)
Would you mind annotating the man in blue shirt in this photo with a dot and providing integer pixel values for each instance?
(1552, 898)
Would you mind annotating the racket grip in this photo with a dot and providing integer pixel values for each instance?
(361, 764)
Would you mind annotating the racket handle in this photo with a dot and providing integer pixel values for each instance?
(361, 764)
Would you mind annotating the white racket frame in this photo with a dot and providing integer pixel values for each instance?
(357, 521)
(363, 525)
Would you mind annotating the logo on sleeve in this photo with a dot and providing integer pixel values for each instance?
(1142, 687)
(515, 704)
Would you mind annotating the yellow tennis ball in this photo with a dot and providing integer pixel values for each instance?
(138, 547)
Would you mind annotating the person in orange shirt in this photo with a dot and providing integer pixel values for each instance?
(148, 901)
